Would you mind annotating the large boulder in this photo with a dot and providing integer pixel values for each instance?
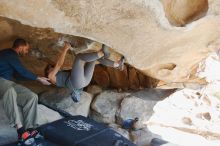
(94, 90)
(118, 128)
(135, 107)
(137, 29)
(140, 104)
(105, 105)
(181, 12)
(142, 137)
(47, 115)
(60, 98)
(129, 78)
(189, 114)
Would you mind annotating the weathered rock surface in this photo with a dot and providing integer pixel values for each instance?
(82, 107)
(105, 105)
(110, 104)
(189, 114)
(56, 97)
(137, 29)
(135, 107)
(129, 78)
(47, 115)
(141, 32)
(94, 90)
(142, 137)
(140, 104)
(121, 131)
(181, 12)
(60, 98)
(159, 142)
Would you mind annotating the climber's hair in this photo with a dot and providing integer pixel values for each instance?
(47, 68)
(19, 42)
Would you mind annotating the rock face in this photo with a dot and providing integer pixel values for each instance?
(135, 107)
(45, 49)
(189, 114)
(105, 106)
(129, 78)
(137, 29)
(118, 128)
(47, 115)
(114, 108)
(140, 105)
(142, 137)
(94, 90)
(181, 12)
(60, 98)
(111, 104)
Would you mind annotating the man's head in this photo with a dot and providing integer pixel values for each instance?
(21, 46)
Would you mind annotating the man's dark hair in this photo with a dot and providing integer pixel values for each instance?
(19, 42)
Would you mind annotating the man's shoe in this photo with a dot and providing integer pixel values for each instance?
(23, 137)
(34, 133)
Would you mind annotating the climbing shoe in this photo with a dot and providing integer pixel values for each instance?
(25, 139)
(75, 95)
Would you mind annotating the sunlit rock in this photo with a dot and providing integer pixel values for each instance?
(60, 98)
(118, 128)
(181, 12)
(189, 114)
(142, 137)
(139, 30)
(105, 105)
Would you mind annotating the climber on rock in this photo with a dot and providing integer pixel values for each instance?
(82, 69)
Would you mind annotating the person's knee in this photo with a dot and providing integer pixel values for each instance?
(10, 93)
(77, 59)
(9, 98)
(79, 84)
(34, 96)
